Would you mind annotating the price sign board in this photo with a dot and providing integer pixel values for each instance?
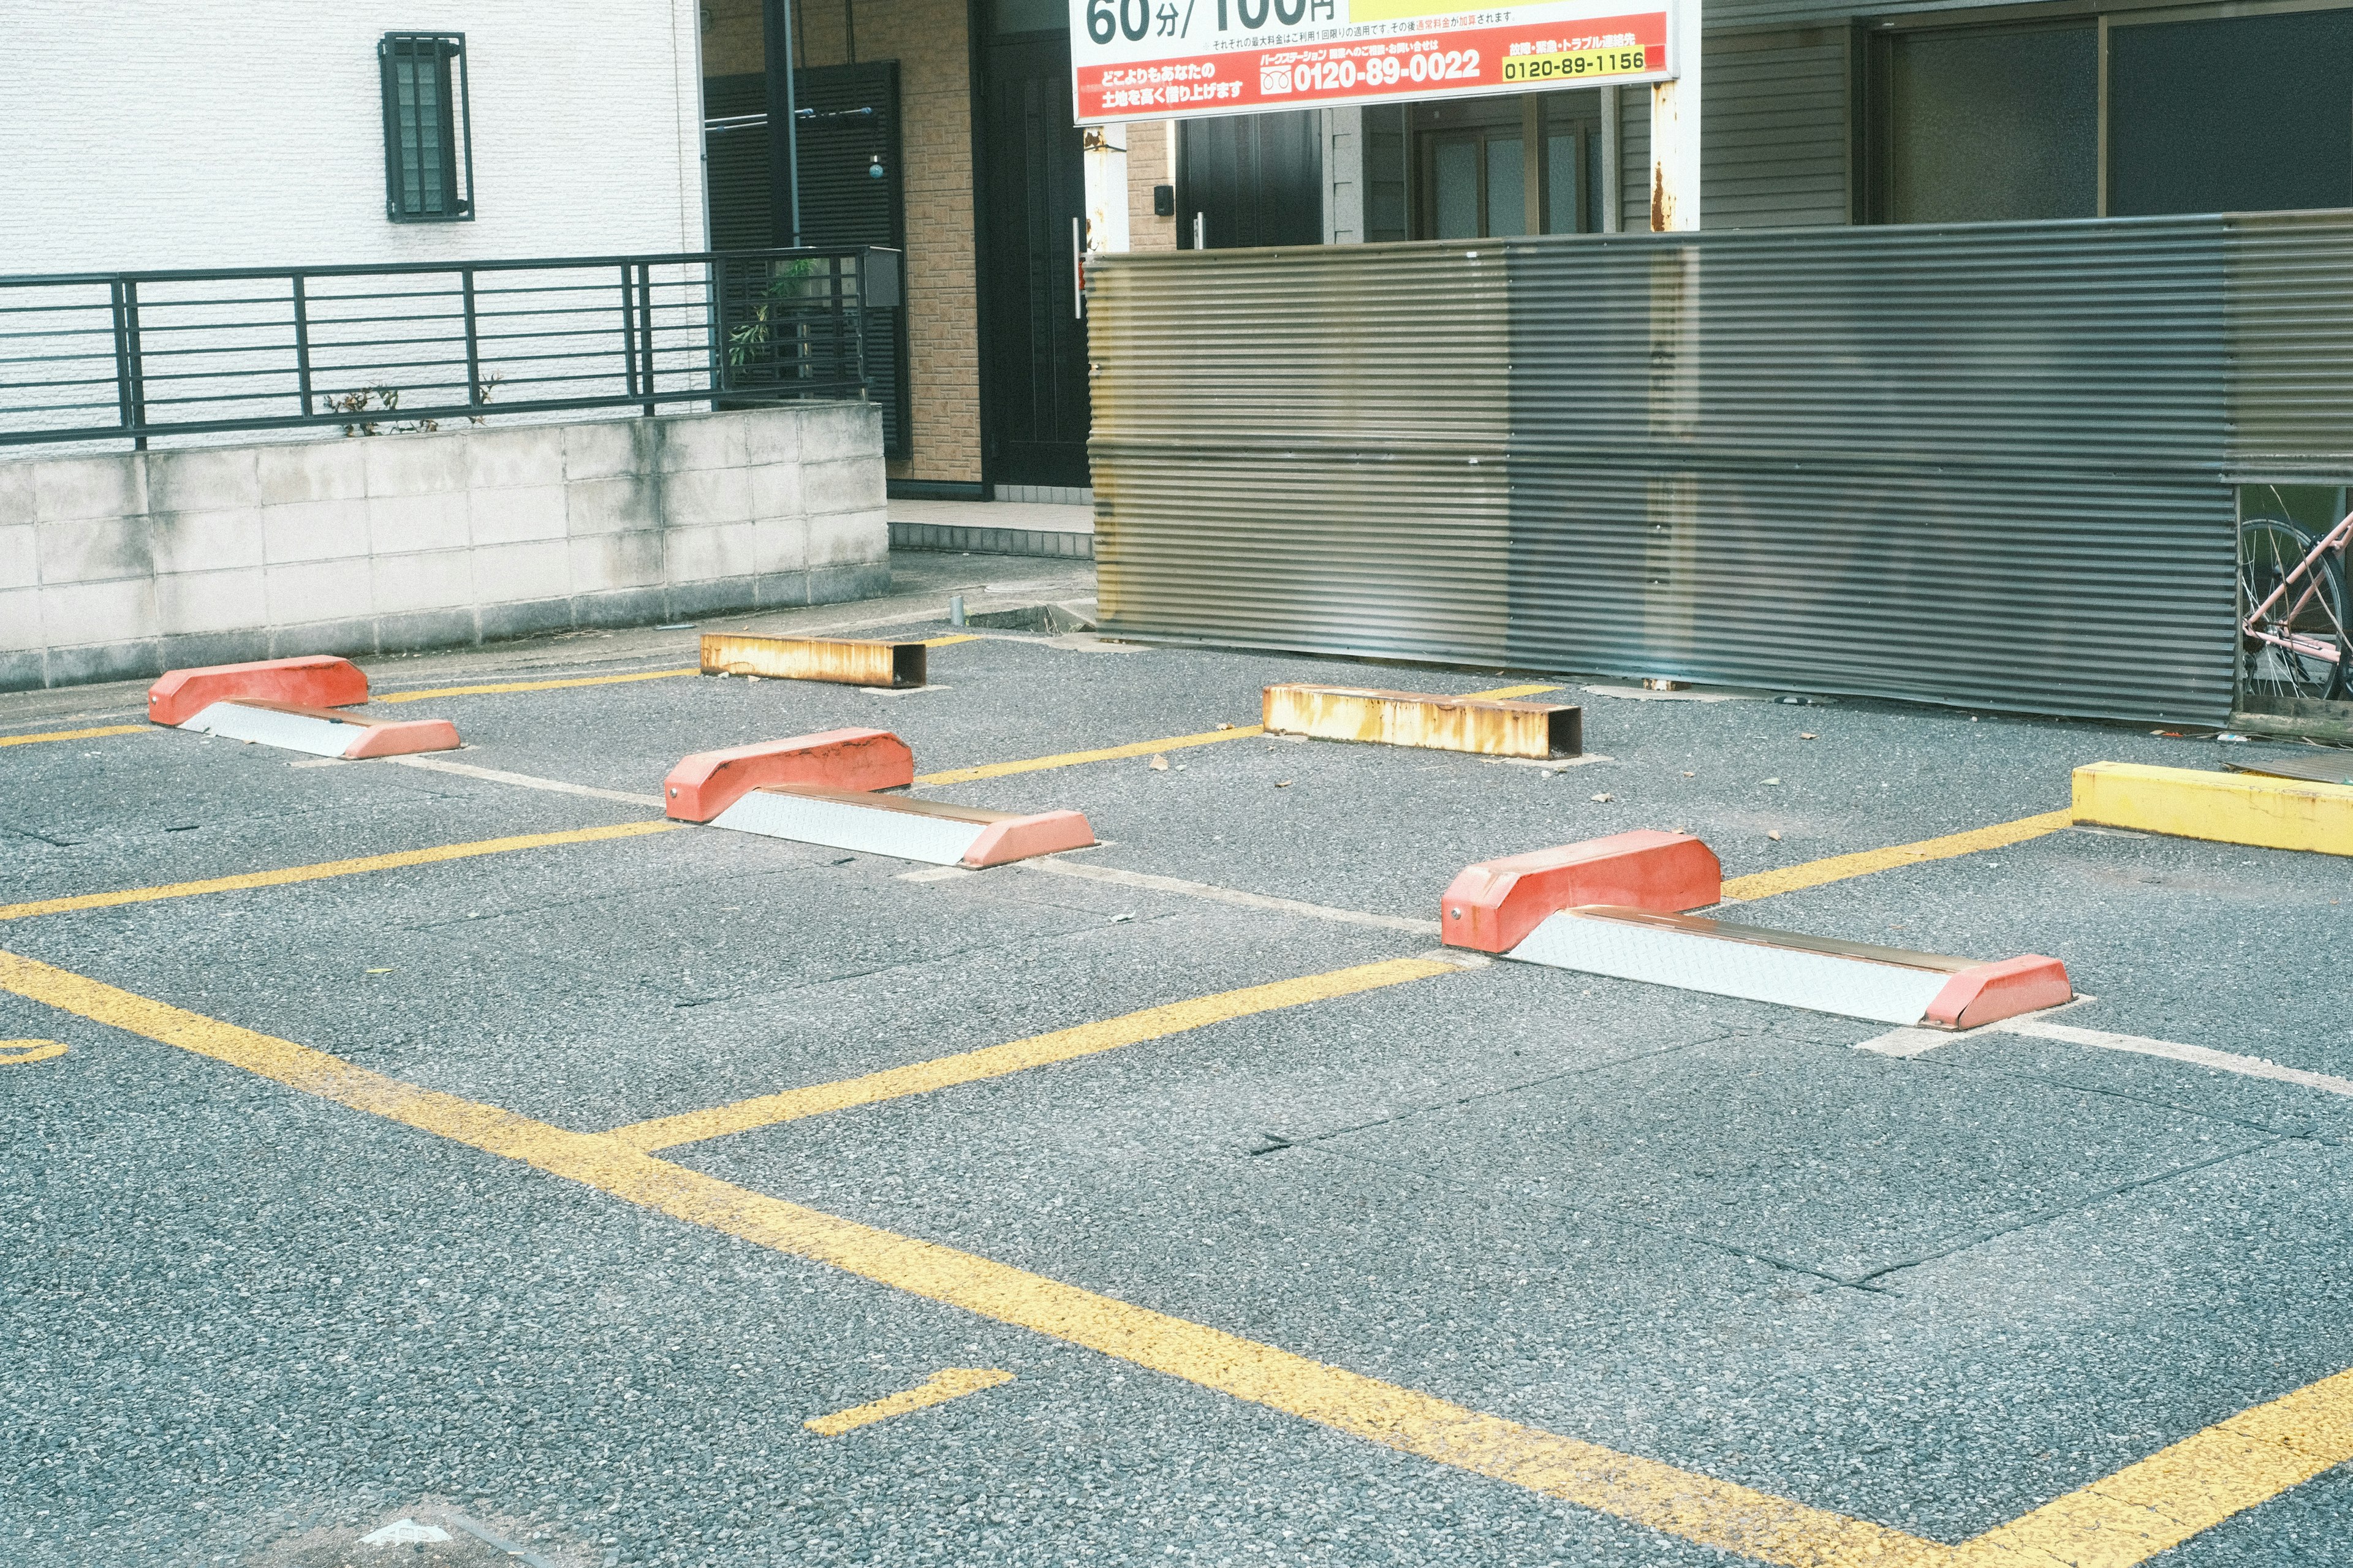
(1175, 59)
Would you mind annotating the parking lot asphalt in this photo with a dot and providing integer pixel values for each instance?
(460, 1143)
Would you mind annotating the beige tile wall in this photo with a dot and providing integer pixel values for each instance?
(931, 41)
(1148, 165)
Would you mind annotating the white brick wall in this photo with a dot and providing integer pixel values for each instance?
(162, 133)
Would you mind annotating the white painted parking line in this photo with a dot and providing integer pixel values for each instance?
(2225, 1061)
(1144, 879)
(1915, 1042)
(1908, 1042)
(527, 781)
(1055, 864)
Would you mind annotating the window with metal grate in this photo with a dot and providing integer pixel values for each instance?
(429, 133)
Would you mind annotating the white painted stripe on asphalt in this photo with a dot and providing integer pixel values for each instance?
(1908, 1042)
(1055, 864)
(1916, 1042)
(2202, 1056)
(1144, 879)
(526, 781)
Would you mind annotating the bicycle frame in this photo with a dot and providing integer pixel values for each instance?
(2307, 569)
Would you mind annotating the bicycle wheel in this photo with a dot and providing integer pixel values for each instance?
(2294, 645)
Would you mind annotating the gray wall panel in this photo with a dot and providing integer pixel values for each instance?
(1774, 142)
(1267, 422)
(1774, 146)
(1980, 465)
(1730, 15)
(1634, 160)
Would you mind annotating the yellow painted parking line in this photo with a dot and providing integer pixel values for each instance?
(949, 1382)
(495, 687)
(995, 1061)
(2230, 1467)
(1146, 748)
(75, 734)
(1072, 759)
(2177, 1492)
(1839, 867)
(16, 1053)
(392, 862)
(942, 642)
(1699, 1508)
(531, 685)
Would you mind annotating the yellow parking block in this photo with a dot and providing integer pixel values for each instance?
(2228, 808)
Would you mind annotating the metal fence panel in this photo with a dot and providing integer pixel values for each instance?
(1980, 465)
(1258, 415)
(2291, 320)
(211, 353)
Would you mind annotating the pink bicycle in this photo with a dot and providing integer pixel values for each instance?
(2291, 603)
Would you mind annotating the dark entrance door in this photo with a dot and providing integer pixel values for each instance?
(1033, 197)
(1248, 180)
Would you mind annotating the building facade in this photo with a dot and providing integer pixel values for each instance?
(208, 133)
(1813, 115)
(343, 326)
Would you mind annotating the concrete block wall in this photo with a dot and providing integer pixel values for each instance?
(930, 39)
(125, 564)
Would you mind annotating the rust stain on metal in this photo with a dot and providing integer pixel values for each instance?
(1662, 206)
(848, 662)
(1487, 726)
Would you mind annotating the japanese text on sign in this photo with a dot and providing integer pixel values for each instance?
(1175, 58)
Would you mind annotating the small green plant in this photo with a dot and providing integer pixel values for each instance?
(386, 400)
(754, 334)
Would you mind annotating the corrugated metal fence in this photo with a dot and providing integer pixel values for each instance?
(1984, 465)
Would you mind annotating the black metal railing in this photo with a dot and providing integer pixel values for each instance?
(89, 356)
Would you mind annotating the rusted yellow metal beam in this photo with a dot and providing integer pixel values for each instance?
(851, 662)
(1487, 726)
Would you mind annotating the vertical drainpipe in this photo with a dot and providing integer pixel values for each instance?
(1676, 127)
(1105, 165)
(1674, 541)
(784, 128)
